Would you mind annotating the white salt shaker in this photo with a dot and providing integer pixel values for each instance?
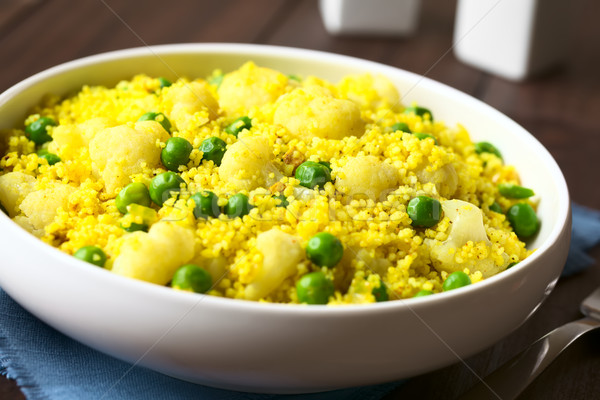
(513, 39)
(370, 17)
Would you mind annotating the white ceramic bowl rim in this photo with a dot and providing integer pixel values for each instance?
(562, 217)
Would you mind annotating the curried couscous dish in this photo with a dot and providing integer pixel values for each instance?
(261, 185)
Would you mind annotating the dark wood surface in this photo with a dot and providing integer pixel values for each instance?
(560, 108)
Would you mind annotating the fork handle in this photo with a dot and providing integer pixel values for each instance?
(511, 379)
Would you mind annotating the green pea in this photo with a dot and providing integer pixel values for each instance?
(164, 185)
(134, 193)
(401, 126)
(513, 191)
(487, 147)
(424, 211)
(312, 174)
(380, 292)
(324, 249)
(51, 158)
(239, 125)
(37, 131)
(134, 227)
(456, 280)
(206, 204)
(495, 207)
(158, 117)
(420, 111)
(238, 205)
(422, 136)
(191, 277)
(283, 202)
(423, 292)
(176, 153)
(216, 80)
(164, 82)
(327, 164)
(523, 219)
(294, 78)
(213, 149)
(314, 288)
(512, 264)
(92, 254)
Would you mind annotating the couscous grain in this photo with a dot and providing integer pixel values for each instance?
(278, 188)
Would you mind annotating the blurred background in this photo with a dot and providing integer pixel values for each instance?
(560, 106)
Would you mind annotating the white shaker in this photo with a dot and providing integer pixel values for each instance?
(370, 17)
(513, 39)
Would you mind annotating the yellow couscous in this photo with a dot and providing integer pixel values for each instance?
(257, 185)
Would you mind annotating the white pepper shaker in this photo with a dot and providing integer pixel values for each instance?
(513, 39)
(370, 17)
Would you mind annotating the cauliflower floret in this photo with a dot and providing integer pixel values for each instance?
(24, 223)
(466, 226)
(121, 151)
(281, 254)
(14, 186)
(314, 112)
(191, 105)
(68, 140)
(250, 86)
(156, 255)
(370, 91)
(445, 179)
(367, 176)
(40, 206)
(247, 164)
(217, 267)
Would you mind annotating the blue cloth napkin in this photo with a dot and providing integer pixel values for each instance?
(48, 365)
(584, 235)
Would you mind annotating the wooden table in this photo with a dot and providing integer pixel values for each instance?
(562, 109)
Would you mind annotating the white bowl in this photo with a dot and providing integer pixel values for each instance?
(279, 348)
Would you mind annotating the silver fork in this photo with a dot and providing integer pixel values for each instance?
(511, 379)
